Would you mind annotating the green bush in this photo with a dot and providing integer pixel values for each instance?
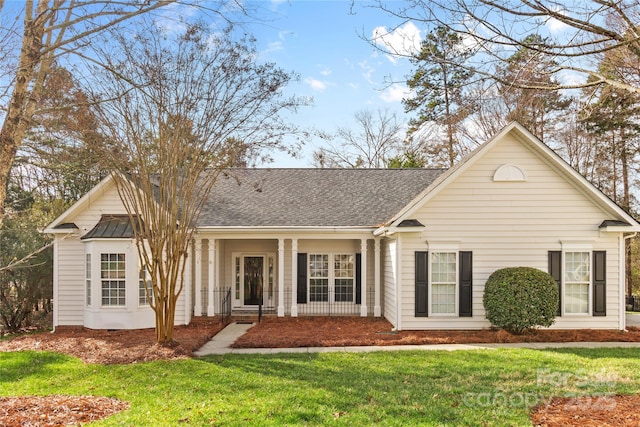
(520, 298)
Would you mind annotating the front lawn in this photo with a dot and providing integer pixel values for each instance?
(483, 387)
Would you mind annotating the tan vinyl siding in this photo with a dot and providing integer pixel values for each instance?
(508, 224)
(70, 298)
(389, 286)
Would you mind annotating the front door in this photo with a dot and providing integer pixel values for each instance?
(253, 279)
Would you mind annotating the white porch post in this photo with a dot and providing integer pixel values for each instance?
(212, 279)
(186, 292)
(294, 277)
(377, 310)
(363, 277)
(197, 308)
(280, 277)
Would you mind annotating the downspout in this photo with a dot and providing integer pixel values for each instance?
(622, 268)
(55, 284)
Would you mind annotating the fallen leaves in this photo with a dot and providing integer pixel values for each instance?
(56, 410)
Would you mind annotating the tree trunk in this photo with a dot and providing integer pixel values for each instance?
(21, 104)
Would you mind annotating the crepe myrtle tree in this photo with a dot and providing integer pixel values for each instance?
(182, 106)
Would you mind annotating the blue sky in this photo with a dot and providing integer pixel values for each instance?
(322, 41)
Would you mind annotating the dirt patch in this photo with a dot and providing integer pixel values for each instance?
(117, 347)
(56, 410)
(274, 332)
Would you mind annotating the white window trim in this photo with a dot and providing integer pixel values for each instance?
(577, 246)
(443, 247)
(331, 285)
(88, 279)
(126, 278)
(238, 299)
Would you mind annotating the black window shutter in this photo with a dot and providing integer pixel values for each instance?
(302, 278)
(599, 283)
(358, 279)
(555, 269)
(465, 288)
(421, 280)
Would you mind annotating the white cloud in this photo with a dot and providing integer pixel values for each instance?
(325, 71)
(395, 93)
(402, 41)
(555, 26)
(316, 84)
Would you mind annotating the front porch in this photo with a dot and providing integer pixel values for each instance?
(286, 276)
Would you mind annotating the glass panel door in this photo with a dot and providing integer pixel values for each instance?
(253, 279)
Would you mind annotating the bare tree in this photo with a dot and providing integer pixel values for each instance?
(42, 32)
(181, 108)
(376, 140)
(495, 29)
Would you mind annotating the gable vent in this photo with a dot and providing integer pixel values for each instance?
(509, 173)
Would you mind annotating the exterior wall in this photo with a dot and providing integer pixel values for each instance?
(508, 224)
(69, 275)
(389, 280)
(68, 281)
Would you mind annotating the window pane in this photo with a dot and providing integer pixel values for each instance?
(443, 299)
(112, 267)
(443, 282)
(577, 277)
(344, 290)
(319, 290)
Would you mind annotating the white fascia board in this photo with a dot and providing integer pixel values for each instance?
(621, 229)
(79, 205)
(390, 231)
(277, 231)
(529, 140)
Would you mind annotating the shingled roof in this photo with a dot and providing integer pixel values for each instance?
(312, 197)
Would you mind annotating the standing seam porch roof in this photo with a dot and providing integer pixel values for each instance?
(312, 197)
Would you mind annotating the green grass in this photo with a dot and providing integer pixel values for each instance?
(484, 387)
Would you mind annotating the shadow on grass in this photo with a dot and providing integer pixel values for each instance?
(18, 365)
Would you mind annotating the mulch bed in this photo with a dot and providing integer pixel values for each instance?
(274, 332)
(120, 347)
(56, 410)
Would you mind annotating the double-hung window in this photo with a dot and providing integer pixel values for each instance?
(113, 278)
(443, 282)
(318, 277)
(332, 277)
(577, 280)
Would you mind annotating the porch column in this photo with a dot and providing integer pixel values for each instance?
(377, 310)
(363, 277)
(213, 283)
(280, 277)
(197, 307)
(294, 277)
(186, 292)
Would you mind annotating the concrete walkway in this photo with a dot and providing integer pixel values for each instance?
(221, 344)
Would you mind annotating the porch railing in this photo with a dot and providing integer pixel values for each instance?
(328, 306)
(225, 304)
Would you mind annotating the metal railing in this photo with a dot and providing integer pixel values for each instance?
(633, 303)
(225, 304)
(328, 306)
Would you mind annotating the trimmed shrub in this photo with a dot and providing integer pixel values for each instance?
(520, 298)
